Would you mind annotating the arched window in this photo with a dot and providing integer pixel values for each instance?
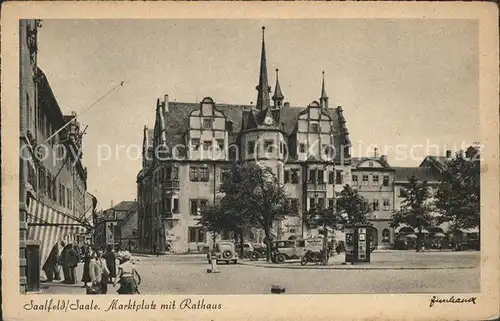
(386, 235)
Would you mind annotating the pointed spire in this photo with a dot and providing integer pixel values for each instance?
(263, 87)
(278, 95)
(324, 97)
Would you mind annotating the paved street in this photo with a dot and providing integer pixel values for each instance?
(187, 274)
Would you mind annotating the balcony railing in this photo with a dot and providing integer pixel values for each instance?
(170, 184)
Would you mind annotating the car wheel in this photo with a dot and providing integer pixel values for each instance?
(303, 261)
(227, 254)
(254, 256)
(280, 258)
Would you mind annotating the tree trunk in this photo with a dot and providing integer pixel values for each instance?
(324, 259)
(241, 244)
(268, 244)
(419, 237)
(214, 237)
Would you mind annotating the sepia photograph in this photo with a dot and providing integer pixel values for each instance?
(351, 167)
(195, 158)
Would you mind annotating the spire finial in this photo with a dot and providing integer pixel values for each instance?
(263, 87)
(324, 96)
(278, 96)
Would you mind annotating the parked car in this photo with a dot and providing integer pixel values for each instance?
(259, 251)
(293, 249)
(247, 249)
(224, 251)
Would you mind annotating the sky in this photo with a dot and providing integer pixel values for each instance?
(403, 84)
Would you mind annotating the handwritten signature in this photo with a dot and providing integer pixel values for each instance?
(452, 299)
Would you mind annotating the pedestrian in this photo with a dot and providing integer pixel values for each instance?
(63, 262)
(72, 259)
(157, 250)
(88, 255)
(110, 258)
(128, 277)
(99, 272)
(51, 264)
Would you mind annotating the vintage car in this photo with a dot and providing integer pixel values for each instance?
(224, 251)
(247, 249)
(293, 249)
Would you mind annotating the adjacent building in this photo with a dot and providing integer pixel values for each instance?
(54, 204)
(117, 226)
(191, 145)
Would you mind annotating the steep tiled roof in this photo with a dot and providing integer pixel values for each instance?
(421, 173)
(125, 206)
(355, 161)
(177, 120)
(122, 211)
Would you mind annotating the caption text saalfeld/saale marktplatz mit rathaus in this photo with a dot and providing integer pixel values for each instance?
(307, 149)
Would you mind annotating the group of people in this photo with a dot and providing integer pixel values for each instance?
(100, 268)
(67, 260)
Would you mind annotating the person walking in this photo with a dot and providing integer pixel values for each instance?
(99, 272)
(110, 258)
(157, 250)
(72, 259)
(88, 255)
(128, 277)
(63, 261)
(51, 264)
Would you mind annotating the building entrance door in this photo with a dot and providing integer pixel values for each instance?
(197, 238)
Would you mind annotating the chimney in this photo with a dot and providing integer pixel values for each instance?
(448, 154)
(287, 104)
(383, 158)
(111, 203)
(375, 152)
(165, 103)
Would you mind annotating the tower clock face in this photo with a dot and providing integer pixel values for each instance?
(268, 120)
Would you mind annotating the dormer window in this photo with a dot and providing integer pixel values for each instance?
(315, 128)
(195, 143)
(208, 123)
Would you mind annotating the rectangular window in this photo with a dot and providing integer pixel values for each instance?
(70, 197)
(330, 203)
(402, 192)
(302, 148)
(192, 234)
(204, 174)
(193, 174)
(375, 181)
(251, 147)
(167, 205)
(176, 206)
(168, 173)
(331, 177)
(196, 235)
(386, 205)
(207, 123)
(134, 233)
(375, 205)
(295, 177)
(207, 144)
(321, 202)
(294, 205)
(281, 147)
(312, 202)
(386, 180)
(321, 176)
(287, 176)
(268, 146)
(195, 143)
(197, 206)
(175, 172)
(42, 180)
(220, 144)
(314, 128)
(312, 176)
(365, 180)
(338, 177)
(354, 179)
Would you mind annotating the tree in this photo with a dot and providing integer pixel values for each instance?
(458, 195)
(215, 219)
(415, 210)
(254, 198)
(351, 206)
(327, 219)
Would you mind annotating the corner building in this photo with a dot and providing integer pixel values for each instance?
(192, 145)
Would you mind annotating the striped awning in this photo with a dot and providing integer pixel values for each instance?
(50, 226)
